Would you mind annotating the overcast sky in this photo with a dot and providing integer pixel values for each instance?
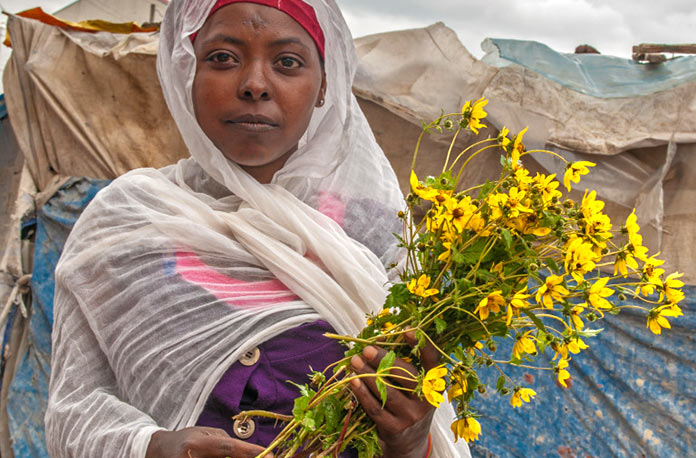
(612, 26)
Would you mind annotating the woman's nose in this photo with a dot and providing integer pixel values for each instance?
(254, 84)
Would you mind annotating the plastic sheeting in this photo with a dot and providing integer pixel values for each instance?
(591, 74)
(643, 146)
(86, 104)
(631, 396)
(28, 393)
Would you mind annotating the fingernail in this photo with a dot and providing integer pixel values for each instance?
(357, 362)
(369, 352)
(355, 383)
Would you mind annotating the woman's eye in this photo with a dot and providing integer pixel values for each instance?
(289, 62)
(221, 57)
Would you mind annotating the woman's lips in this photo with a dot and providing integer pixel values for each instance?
(252, 123)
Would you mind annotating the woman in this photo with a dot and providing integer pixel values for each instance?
(177, 284)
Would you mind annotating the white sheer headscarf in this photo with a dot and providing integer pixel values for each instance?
(144, 327)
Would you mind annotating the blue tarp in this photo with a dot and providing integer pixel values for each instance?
(28, 391)
(632, 395)
(592, 74)
(632, 392)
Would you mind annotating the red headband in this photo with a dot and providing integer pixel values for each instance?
(301, 12)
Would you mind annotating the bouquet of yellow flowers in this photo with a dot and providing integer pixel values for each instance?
(507, 259)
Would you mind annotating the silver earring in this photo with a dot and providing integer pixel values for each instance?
(321, 102)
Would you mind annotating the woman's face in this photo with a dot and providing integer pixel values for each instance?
(258, 79)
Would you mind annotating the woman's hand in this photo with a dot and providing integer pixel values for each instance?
(199, 442)
(403, 424)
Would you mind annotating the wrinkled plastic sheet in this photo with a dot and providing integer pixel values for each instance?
(28, 392)
(631, 395)
(592, 74)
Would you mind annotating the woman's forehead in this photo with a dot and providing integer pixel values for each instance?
(299, 12)
(236, 21)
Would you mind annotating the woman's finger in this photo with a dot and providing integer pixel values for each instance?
(429, 354)
(383, 418)
(403, 373)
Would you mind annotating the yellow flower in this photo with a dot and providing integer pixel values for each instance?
(502, 138)
(521, 394)
(590, 206)
(518, 146)
(458, 386)
(527, 224)
(434, 384)
(424, 192)
(598, 292)
(571, 346)
(447, 254)
(475, 113)
(580, 258)
(575, 316)
(632, 226)
(561, 373)
(547, 186)
(524, 344)
(574, 170)
(459, 212)
(477, 346)
(420, 287)
(651, 274)
(497, 204)
(518, 301)
(551, 290)
(598, 228)
(522, 178)
(671, 288)
(516, 203)
(467, 428)
(657, 317)
(490, 304)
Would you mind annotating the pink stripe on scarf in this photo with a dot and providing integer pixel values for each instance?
(332, 206)
(235, 292)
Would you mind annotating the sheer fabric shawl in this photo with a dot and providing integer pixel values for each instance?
(170, 275)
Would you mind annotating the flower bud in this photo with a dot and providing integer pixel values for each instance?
(401, 215)
(504, 391)
(481, 389)
(622, 297)
(492, 346)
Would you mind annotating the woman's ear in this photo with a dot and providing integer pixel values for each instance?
(322, 91)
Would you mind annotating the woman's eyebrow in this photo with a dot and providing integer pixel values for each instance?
(237, 41)
(287, 41)
(224, 38)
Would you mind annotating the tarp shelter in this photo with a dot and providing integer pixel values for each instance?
(86, 107)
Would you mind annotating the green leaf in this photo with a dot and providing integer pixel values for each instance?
(472, 254)
(384, 366)
(398, 295)
(535, 319)
(300, 406)
(440, 325)
(551, 263)
(507, 238)
(387, 362)
(308, 421)
(589, 332)
(500, 384)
